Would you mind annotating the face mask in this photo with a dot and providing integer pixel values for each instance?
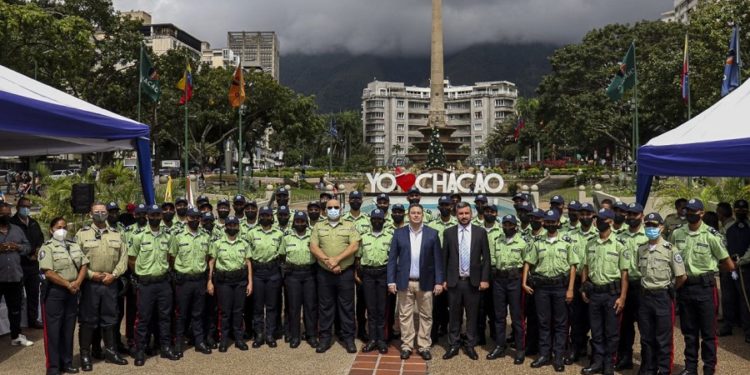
(693, 218)
(168, 216)
(24, 212)
(587, 221)
(266, 222)
(384, 208)
(480, 209)
(99, 218)
(551, 228)
(634, 222)
(283, 222)
(334, 213)
(524, 218)
(154, 222)
(509, 232)
(573, 217)
(314, 216)
(300, 228)
(208, 227)
(652, 233)
(231, 231)
(223, 214)
(193, 224)
(741, 217)
(182, 211)
(413, 200)
(141, 221)
(602, 226)
(355, 205)
(239, 211)
(535, 225)
(490, 219)
(398, 219)
(377, 226)
(112, 220)
(60, 234)
(251, 215)
(445, 211)
(282, 202)
(619, 219)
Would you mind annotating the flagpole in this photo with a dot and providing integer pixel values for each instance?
(241, 150)
(140, 80)
(635, 96)
(689, 94)
(187, 177)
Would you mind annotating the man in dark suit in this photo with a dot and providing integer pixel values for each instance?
(415, 272)
(467, 259)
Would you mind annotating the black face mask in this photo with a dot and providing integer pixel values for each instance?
(619, 219)
(413, 200)
(398, 219)
(168, 216)
(535, 225)
(384, 208)
(142, 221)
(573, 217)
(208, 227)
(693, 218)
(4, 220)
(586, 222)
(251, 215)
(231, 231)
(283, 222)
(552, 228)
(193, 224)
(300, 228)
(509, 232)
(314, 216)
(223, 214)
(355, 205)
(377, 226)
(112, 220)
(239, 211)
(154, 222)
(634, 222)
(602, 226)
(490, 219)
(282, 202)
(445, 211)
(266, 222)
(741, 217)
(524, 218)
(182, 211)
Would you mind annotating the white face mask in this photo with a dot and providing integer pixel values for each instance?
(334, 213)
(60, 234)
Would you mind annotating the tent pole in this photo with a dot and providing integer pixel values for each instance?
(140, 79)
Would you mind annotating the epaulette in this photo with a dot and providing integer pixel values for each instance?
(667, 245)
(86, 227)
(566, 238)
(678, 226)
(49, 241)
(70, 242)
(620, 240)
(713, 231)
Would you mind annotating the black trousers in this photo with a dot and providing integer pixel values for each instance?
(744, 312)
(266, 286)
(191, 300)
(485, 314)
(336, 293)
(13, 299)
(605, 327)
(440, 316)
(629, 319)
(302, 294)
(59, 314)
(98, 304)
(655, 322)
(463, 298)
(249, 312)
(231, 298)
(31, 282)
(531, 344)
(507, 296)
(698, 305)
(552, 311)
(155, 297)
(375, 290)
(361, 313)
(579, 321)
(127, 308)
(731, 300)
(211, 318)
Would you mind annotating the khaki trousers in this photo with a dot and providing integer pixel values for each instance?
(408, 300)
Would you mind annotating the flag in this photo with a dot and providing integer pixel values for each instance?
(685, 81)
(733, 63)
(625, 78)
(186, 85)
(237, 89)
(168, 191)
(332, 129)
(517, 131)
(149, 80)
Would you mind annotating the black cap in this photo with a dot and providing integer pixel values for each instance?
(265, 210)
(398, 207)
(587, 207)
(326, 194)
(557, 199)
(695, 205)
(520, 196)
(635, 208)
(740, 203)
(621, 205)
(167, 204)
(414, 190)
(313, 204)
(252, 202)
(490, 207)
(231, 220)
(181, 200)
(509, 219)
(283, 210)
(222, 201)
(538, 212)
(574, 206)
(154, 209)
(524, 206)
(239, 199)
(355, 194)
(481, 198)
(141, 209)
(377, 214)
(193, 212)
(653, 217)
(208, 217)
(300, 215)
(445, 199)
(383, 196)
(605, 213)
(282, 191)
(112, 206)
(552, 215)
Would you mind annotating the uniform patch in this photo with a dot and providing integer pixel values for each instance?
(626, 254)
(677, 258)
(41, 254)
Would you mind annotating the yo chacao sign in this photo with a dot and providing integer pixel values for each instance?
(491, 183)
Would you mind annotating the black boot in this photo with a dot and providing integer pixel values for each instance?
(85, 335)
(110, 349)
(96, 344)
(167, 352)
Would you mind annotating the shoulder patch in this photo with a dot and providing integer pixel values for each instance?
(626, 254)
(712, 230)
(677, 258)
(621, 240)
(667, 245)
(41, 254)
(567, 239)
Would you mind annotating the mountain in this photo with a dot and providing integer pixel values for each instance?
(337, 79)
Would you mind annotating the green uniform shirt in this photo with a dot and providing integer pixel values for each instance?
(672, 222)
(190, 251)
(618, 232)
(174, 229)
(151, 252)
(568, 229)
(229, 255)
(605, 259)
(105, 250)
(507, 253)
(298, 249)
(65, 259)
(427, 217)
(130, 231)
(659, 264)
(552, 257)
(581, 239)
(632, 242)
(493, 233)
(374, 249)
(266, 246)
(361, 222)
(530, 237)
(284, 230)
(702, 250)
(477, 221)
(333, 240)
(440, 226)
(245, 227)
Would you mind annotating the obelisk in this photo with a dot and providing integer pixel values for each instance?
(437, 73)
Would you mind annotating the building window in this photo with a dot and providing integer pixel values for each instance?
(400, 139)
(477, 138)
(478, 115)
(400, 116)
(400, 104)
(478, 126)
(478, 103)
(400, 127)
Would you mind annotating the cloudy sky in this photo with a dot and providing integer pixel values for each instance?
(394, 27)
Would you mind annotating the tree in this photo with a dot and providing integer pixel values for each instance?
(435, 151)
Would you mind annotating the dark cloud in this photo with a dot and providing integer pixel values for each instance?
(388, 27)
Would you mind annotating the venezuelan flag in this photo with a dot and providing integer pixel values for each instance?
(186, 85)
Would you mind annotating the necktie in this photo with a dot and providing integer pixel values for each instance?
(464, 254)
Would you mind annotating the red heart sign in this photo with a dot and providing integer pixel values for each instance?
(405, 181)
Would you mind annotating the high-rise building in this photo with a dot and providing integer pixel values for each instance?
(680, 11)
(220, 58)
(392, 112)
(162, 37)
(258, 50)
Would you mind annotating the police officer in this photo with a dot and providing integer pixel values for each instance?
(313, 213)
(251, 217)
(211, 307)
(676, 219)
(455, 198)
(523, 211)
(620, 209)
(208, 225)
(605, 286)
(238, 205)
(113, 217)
(127, 303)
(702, 248)
(282, 220)
(325, 196)
(662, 271)
(201, 202)
(486, 311)
(167, 221)
(479, 203)
(557, 203)
(181, 207)
(414, 196)
(579, 310)
(222, 212)
(188, 255)
(267, 250)
(507, 255)
(535, 232)
(573, 223)
(633, 237)
(554, 262)
(398, 214)
(373, 261)
(440, 317)
(230, 279)
(732, 296)
(250, 222)
(64, 266)
(148, 259)
(300, 282)
(383, 202)
(108, 256)
(282, 197)
(360, 220)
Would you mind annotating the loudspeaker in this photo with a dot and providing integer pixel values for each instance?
(81, 198)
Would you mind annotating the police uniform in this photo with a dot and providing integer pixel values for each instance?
(266, 251)
(478, 219)
(507, 257)
(440, 315)
(426, 213)
(189, 253)
(390, 222)
(552, 259)
(285, 228)
(300, 285)
(211, 306)
(579, 310)
(659, 265)
(373, 261)
(107, 253)
(732, 297)
(605, 259)
(58, 304)
(151, 253)
(230, 284)
(127, 303)
(558, 199)
(573, 223)
(249, 223)
(486, 311)
(362, 224)
(532, 319)
(671, 223)
(701, 250)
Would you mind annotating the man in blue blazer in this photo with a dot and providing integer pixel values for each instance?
(415, 272)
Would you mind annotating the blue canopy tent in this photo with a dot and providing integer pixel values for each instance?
(40, 120)
(715, 143)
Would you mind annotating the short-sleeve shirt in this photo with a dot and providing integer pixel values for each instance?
(65, 259)
(361, 222)
(151, 251)
(659, 265)
(105, 249)
(508, 253)
(374, 249)
(266, 246)
(190, 251)
(298, 249)
(633, 240)
(333, 240)
(701, 250)
(229, 255)
(605, 259)
(552, 256)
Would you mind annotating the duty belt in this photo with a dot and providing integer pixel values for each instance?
(612, 287)
(231, 276)
(146, 280)
(706, 279)
(510, 273)
(184, 277)
(298, 267)
(540, 280)
(373, 269)
(265, 265)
